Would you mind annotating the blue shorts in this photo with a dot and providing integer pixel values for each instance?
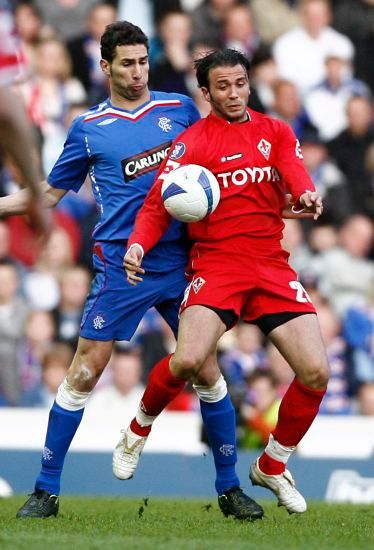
(114, 308)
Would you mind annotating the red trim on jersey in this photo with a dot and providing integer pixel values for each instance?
(134, 117)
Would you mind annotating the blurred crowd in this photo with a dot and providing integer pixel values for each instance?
(313, 67)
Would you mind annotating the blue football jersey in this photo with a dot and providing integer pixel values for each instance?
(121, 151)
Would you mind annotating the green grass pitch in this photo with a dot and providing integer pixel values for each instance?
(110, 524)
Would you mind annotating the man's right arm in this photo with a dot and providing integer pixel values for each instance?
(18, 203)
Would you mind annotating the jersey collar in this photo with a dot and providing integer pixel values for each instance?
(222, 121)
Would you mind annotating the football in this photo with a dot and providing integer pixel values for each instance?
(190, 193)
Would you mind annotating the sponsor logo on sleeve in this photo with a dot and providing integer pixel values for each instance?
(178, 151)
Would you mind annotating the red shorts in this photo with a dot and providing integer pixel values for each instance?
(246, 277)
(11, 62)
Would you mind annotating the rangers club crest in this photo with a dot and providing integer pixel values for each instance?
(197, 284)
(165, 124)
(264, 147)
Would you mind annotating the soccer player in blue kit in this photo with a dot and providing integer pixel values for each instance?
(120, 144)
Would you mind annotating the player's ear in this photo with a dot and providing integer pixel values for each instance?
(206, 93)
(105, 67)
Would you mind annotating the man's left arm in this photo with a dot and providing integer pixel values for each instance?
(289, 162)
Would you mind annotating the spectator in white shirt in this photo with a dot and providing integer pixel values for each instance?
(326, 104)
(300, 53)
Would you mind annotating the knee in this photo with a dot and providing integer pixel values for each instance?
(82, 377)
(185, 365)
(208, 374)
(84, 372)
(316, 376)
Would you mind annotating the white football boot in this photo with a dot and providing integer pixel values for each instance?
(283, 486)
(127, 453)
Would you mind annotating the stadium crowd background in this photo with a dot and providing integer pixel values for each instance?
(312, 66)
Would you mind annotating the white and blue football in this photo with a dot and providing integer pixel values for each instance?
(190, 193)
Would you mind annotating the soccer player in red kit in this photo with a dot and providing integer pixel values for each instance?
(237, 265)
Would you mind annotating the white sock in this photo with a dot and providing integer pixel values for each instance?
(277, 451)
(70, 399)
(144, 419)
(212, 394)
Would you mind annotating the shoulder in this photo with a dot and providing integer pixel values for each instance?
(289, 37)
(173, 98)
(198, 128)
(192, 139)
(336, 38)
(267, 122)
(92, 113)
(78, 123)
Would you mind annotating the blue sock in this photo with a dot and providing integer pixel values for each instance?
(62, 425)
(219, 421)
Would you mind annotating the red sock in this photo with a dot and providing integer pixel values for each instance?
(270, 466)
(137, 429)
(162, 388)
(297, 411)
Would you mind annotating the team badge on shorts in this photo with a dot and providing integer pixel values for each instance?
(264, 147)
(98, 322)
(197, 284)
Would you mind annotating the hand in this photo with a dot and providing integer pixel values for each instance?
(311, 201)
(289, 214)
(132, 263)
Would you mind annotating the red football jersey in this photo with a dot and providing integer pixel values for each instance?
(255, 162)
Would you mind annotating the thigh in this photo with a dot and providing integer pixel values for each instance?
(114, 308)
(300, 342)
(172, 289)
(277, 289)
(199, 331)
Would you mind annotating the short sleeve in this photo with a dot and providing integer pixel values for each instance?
(71, 168)
(194, 114)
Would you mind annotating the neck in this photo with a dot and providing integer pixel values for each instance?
(313, 33)
(129, 104)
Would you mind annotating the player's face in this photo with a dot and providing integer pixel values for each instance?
(128, 72)
(228, 92)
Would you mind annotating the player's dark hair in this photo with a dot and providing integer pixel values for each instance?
(219, 58)
(121, 33)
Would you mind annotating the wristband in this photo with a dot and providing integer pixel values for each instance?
(136, 244)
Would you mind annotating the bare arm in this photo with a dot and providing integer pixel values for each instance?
(18, 203)
(17, 139)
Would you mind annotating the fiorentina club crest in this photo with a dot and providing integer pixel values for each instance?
(264, 147)
(197, 284)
